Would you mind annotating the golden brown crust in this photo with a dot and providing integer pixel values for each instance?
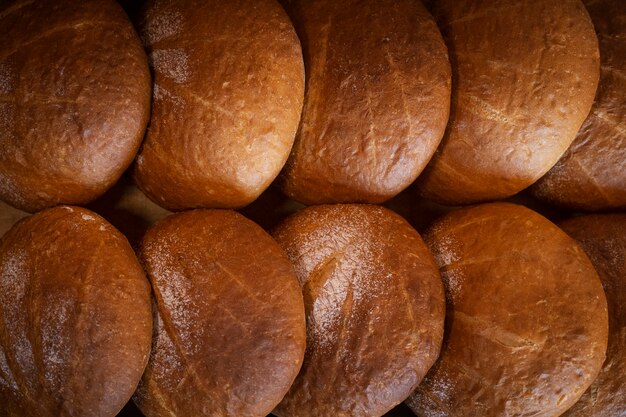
(75, 317)
(375, 310)
(526, 318)
(524, 76)
(229, 333)
(74, 100)
(228, 92)
(603, 237)
(591, 174)
(377, 101)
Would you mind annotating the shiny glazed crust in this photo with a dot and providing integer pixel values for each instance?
(229, 333)
(524, 75)
(377, 101)
(75, 317)
(74, 100)
(591, 174)
(526, 318)
(228, 92)
(603, 237)
(375, 309)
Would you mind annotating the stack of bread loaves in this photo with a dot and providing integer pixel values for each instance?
(110, 304)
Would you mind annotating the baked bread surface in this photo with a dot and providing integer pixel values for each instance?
(524, 77)
(377, 99)
(74, 100)
(229, 334)
(75, 316)
(375, 309)
(227, 98)
(526, 317)
(591, 175)
(603, 237)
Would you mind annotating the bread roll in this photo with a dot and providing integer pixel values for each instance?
(377, 102)
(375, 308)
(75, 317)
(228, 92)
(592, 173)
(603, 237)
(230, 331)
(526, 318)
(74, 100)
(524, 77)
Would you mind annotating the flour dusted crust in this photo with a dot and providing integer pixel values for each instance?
(591, 175)
(229, 333)
(524, 76)
(228, 92)
(75, 317)
(377, 101)
(526, 317)
(74, 100)
(375, 310)
(603, 237)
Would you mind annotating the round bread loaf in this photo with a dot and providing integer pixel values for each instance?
(524, 75)
(229, 336)
(377, 101)
(526, 318)
(75, 317)
(591, 175)
(603, 237)
(228, 92)
(375, 309)
(74, 100)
